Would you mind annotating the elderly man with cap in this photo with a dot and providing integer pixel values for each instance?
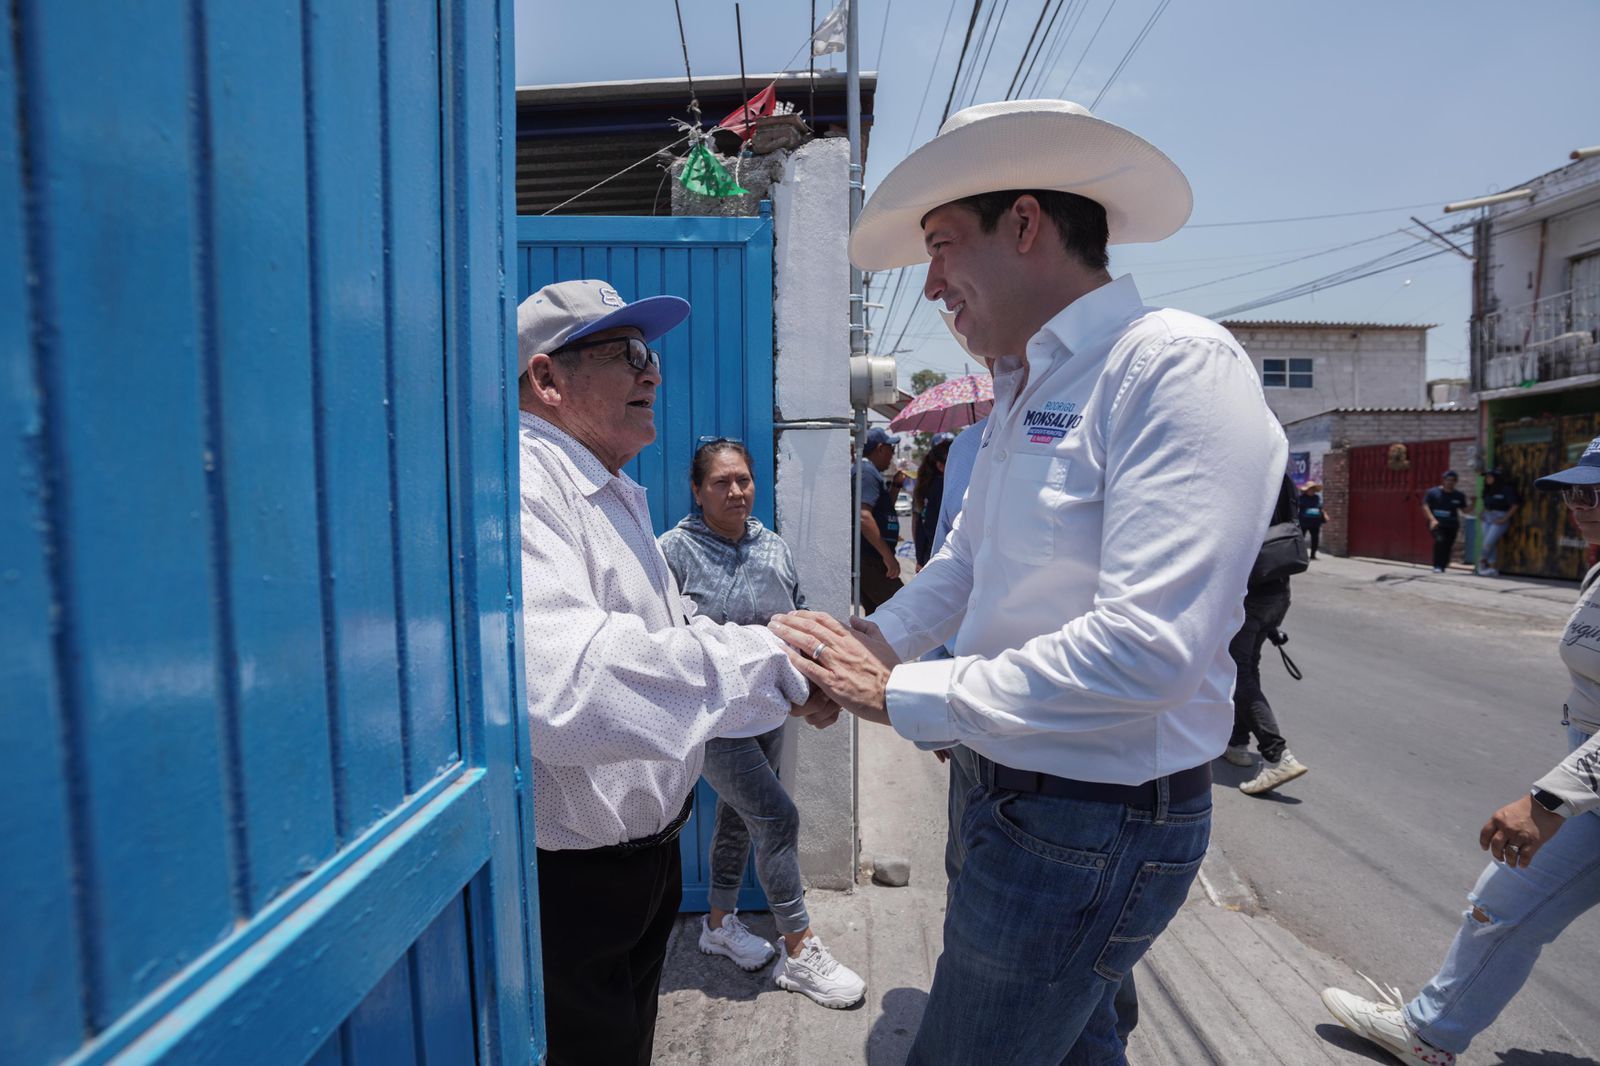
(1090, 586)
(624, 684)
(1537, 883)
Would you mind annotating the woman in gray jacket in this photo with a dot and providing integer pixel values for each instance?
(735, 569)
(1539, 882)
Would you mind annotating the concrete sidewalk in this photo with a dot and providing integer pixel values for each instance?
(1542, 599)
(1224, 984)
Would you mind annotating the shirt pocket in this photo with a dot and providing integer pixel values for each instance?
(1031, 492)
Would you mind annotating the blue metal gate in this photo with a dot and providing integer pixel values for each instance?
(716, 375)
(259, 674)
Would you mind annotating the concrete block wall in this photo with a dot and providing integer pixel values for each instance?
(1352, 366)
(1336, 500)
(811, 322)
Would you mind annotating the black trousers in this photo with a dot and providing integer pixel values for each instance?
(1444, 540)
(1314, 531)
(604, 919)
(1251, 711)
(876, 584)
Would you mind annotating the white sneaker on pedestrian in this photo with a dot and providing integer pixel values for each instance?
(1272, 774)
(1488, 571)
(1239, 755)
(735, 941)
(1384, 1025)
(816, 973)
(1438, 569)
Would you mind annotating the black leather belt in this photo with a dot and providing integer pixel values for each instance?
(667, 835)
(1183, 785)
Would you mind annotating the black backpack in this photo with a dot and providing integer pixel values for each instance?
(1283, 553)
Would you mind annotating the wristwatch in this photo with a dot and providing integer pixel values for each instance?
(1547, 799)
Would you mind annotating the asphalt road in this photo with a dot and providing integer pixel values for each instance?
(1424, 708)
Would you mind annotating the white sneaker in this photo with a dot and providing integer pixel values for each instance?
(1239, 755)
(735, 941)
(1488, 571)
(816, 973)
(1273, 774)
(1384, 1025)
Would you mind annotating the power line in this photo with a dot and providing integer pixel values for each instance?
(1018, 74)
(983, 67)
(932, 69)
(972, 23)
(1275, 266)
(1085, 53)
(1328, 281)
(1306, 218)
(883, 35)
(1132, 48)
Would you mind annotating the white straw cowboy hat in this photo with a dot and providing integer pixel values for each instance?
(1023, 144)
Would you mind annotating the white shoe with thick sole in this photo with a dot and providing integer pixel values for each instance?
(1273, 774)
(735, 941)
(816, 973)
(1385, 1025)
(1239, 755)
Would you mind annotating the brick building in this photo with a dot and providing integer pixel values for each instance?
(1322, 445)
(1310, 367)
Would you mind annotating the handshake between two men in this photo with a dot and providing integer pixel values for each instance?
(848, 667)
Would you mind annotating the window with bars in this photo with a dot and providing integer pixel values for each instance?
(1286, 374)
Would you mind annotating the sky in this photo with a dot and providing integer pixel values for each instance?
(1369, 110)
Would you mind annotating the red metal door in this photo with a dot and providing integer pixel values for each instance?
(1386, 520)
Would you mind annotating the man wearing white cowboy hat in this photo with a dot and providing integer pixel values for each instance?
(624, 686)
(1088, 589)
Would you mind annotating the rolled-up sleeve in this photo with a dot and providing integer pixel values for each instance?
(1192, 464)
(602, 687)
(1577, 779)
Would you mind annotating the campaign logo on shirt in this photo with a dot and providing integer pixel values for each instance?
(1054, 421)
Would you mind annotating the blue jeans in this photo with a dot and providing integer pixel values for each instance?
(1054, 902)
(1494, 527)
(752, 803)
(1527, 908)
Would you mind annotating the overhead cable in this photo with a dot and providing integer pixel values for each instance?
(1132, 48)
(977, 5)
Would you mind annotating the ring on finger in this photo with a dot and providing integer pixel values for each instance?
(816, 653)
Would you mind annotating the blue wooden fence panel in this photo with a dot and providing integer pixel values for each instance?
(259, 658)
(716, 377)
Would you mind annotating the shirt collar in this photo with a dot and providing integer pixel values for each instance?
(586, 470)
(1089, 318)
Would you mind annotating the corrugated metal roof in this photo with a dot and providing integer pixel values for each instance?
(1234, 323)
(1386, 411)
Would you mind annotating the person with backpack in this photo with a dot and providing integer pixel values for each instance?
(1266, 604)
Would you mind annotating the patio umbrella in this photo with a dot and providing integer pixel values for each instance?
(948, 406)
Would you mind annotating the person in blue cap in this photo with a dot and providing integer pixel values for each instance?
(625, 682)
(1545, 846)
(880, 526)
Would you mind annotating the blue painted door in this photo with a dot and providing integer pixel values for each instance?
(716, 377)
(259, 680)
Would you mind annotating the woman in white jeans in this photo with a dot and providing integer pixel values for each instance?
(1546, 849)
(736, 570)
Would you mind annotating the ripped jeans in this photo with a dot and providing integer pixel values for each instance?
(1527, 909)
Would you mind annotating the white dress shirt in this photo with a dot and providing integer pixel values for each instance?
(1097, 570)
(625, 684)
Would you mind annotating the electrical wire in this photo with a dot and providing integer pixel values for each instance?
(1132, 48)
(883, 35)
(983, 66)
(1305, 218)
(1018, 76)
(1275, 266)
(1320, 284)
(1084, 54)
(977, 5)
(1074, 13)
(932, 69)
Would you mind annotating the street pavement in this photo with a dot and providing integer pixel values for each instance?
(1429, 701)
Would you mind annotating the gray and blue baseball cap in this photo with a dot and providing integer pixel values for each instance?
(1586, 472)
(568, 311)
(878, 435)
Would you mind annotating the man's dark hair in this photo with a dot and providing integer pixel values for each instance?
(1080, 221)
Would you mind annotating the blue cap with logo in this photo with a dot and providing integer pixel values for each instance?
(568, 311)
(1586, 472)
(878, 435)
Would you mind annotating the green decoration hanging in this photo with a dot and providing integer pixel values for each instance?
(704, 175)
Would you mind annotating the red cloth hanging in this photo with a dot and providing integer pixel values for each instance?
(758, 105)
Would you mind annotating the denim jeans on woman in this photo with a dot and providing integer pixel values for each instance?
(753, 805)
(1494, 527)
(1527, 908)
(1055, 900)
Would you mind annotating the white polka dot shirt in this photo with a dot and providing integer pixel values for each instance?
(625, 685)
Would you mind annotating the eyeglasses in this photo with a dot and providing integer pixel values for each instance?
(703, 441)
(1582, 497)
(639, 355)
